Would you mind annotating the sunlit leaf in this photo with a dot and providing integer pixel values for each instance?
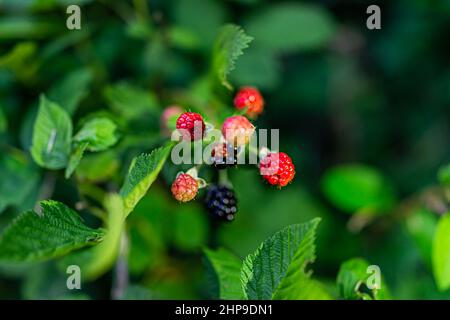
(143, 172)
(441, 253)
(55, 232)
(277, 270)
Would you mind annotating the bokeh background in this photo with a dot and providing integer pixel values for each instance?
(365, 115)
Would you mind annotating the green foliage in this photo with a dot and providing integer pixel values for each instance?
(278, 268)
(69, 92)
(441, 253)
(229, 45)
(421, 225)
(356, 187)
(130, 101)
(287, 27)
(444, 175)
(15, 170)
(101, 258)
(228, 270)
(56, 231)
(75, 158)
(52, 136)
(143, 171)
(99, 133)
(352, 276)
(3, 121)
(133, 58)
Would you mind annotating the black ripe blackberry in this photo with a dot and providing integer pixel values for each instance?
(221, 202)
(224, 155)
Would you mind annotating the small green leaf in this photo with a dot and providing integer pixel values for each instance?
(352, 275)
(228, 270)
(57, 231)
(99, 133)
(71, 89)
(75, 158)
(354, 187)
(441, 253)
(277, 270)
(289, 26)
(229, 45)
(52, 136)
(143, 171)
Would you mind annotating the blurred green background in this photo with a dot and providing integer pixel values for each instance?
(365, 115)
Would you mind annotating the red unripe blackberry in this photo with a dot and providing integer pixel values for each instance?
(184, 188)
(250, 98)
(277, 169)
(221, 202)
(191, 126)
(237, 130)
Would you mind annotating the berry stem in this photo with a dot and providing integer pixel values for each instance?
(223, 178)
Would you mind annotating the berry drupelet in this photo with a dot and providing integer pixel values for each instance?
(221, 202)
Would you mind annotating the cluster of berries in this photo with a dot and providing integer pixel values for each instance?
(275, 167)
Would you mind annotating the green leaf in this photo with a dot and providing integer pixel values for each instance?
(3, 120)
(277, 270)
(289, 26)
(228, 270)
(444, 175)
(71, 89)
(99, 133)
(16, 170)
(352, 275)
(75, 158)
(353, 187)
(52, 136)
(143, 171)
(421, 225)
(97, 167)
(26, 27)
(441, 253)
(229, 45)
(55, 232)
(313, 290)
